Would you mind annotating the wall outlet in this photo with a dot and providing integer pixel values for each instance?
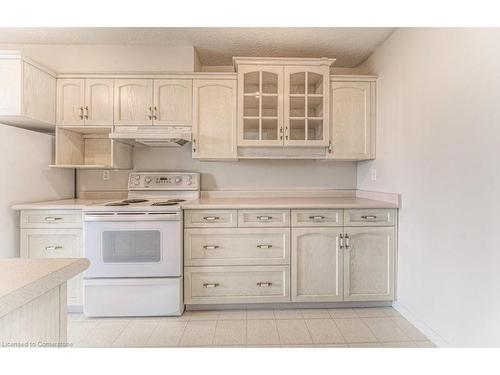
(373, 173)
(105, 175)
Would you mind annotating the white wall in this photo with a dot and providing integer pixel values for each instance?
(242, 175)
(438, 143)
(26, 177)
(108, 58)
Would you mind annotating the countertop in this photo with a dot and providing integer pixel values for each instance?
(63, 204)
(22, 280)
(286, 202)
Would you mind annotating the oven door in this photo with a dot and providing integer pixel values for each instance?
(133, 245)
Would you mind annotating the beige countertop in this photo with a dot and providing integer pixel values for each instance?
(63, 204)
(286, 202)
(22, 280)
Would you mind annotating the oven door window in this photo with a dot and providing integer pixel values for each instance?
(131, 246)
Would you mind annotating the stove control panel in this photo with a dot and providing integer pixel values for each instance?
(163, 181)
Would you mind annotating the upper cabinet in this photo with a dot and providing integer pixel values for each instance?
(352, 112)
(283, 102)
(214, 125)
(27, 93)
(143, 102)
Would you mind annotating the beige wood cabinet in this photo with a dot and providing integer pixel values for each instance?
(27, 93)
(86, 101)
(352, 124)
(369, 263)
(54, 234)
(133, 102)
(173, 102)
(317, 265)
(214, 125)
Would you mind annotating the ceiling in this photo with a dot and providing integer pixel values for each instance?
(217, 45)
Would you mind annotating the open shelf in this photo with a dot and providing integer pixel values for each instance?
(89, 147)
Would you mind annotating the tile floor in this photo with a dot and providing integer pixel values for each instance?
(342, 328)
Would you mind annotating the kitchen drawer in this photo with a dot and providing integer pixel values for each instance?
(210, 218)
(369, 217)
(238, 284)
(317, 218)
(239, 246)
(51, 219)
(264, 218)
(55, 243)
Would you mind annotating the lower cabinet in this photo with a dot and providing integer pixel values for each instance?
(369, 264)
(317, 263)
(236, 284)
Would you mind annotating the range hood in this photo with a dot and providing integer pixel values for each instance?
(152, 135)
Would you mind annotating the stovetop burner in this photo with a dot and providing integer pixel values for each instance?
(137, 200)
(116, 204)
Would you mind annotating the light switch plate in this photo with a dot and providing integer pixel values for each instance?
(105, 175)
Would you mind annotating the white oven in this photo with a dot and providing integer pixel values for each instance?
(133, 244)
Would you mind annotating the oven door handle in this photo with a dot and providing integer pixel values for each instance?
(172, 216)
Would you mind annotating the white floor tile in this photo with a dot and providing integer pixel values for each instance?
(386, 330)
(324, 331)
(262, 332)
(412, 332)
(232, 315)
(354, 330)
(370, 312)
(315, 314)
(166, 334)
(293, 331)
(400, 344)
(342, 313)
(366, 345)
(203, 315)
(288, 314)
(231, 332)
(136, 334)
(103, 334)
(199, 333)
(260, 314)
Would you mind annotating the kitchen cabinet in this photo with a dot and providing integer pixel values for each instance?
(352, 124)
(54, 234)
(85, 101)
(317, 265)
(214, 125)
(369, 263)
(27, 93)
(144, 102)
(283, 102)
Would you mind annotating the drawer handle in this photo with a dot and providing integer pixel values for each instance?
(368, 217)
(211, 247)
(264, 246)
(53, 247)
(52, 218)
(264, 284)
(211, 218)
(211, 285)
(317, 217)
(347, 241)
(264, 217)
(341, 240)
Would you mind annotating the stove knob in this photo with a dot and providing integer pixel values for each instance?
(178, 180)
(189, 182)
(148, 180)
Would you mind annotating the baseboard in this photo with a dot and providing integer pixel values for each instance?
(288, 305)
(432, 335)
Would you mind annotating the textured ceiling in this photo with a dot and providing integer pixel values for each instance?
(217, 45)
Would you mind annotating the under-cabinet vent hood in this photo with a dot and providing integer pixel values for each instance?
(153, 136)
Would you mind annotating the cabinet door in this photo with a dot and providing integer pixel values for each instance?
(369, 264)
(99, 102)
(316, 265)
(306, 105)
(260, 106)
(352, 120)
(173, 102)
(39, 94)
(70, 101)
(133, 102)
(214, 126)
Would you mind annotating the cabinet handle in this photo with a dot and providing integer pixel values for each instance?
(87, 112)
(194, 145)
(330, 147)
(211, 218)
(281, 133)
(154, 114)
(341, 241)
(347, 241)
(317, 217)
(211, 247)
(264, 217)
(211, 285)
(266, 284)
(286, 133)
(264, 246)
(53, 247)
(81, 113)
(369, 217)
(150, 115)
(52, 218)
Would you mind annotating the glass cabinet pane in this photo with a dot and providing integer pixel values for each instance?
(269, 106)
(270, 129)
(269, 83)
(314, 83)
(251, 83)
(251, 106)
(297, 106)
(314, 130)
(314, 106)
(298, 83)
(297, 130)
(251, 129)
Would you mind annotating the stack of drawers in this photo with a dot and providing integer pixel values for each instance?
(54, 234)
(236, 256)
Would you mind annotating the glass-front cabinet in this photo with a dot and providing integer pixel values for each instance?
(283, 102)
